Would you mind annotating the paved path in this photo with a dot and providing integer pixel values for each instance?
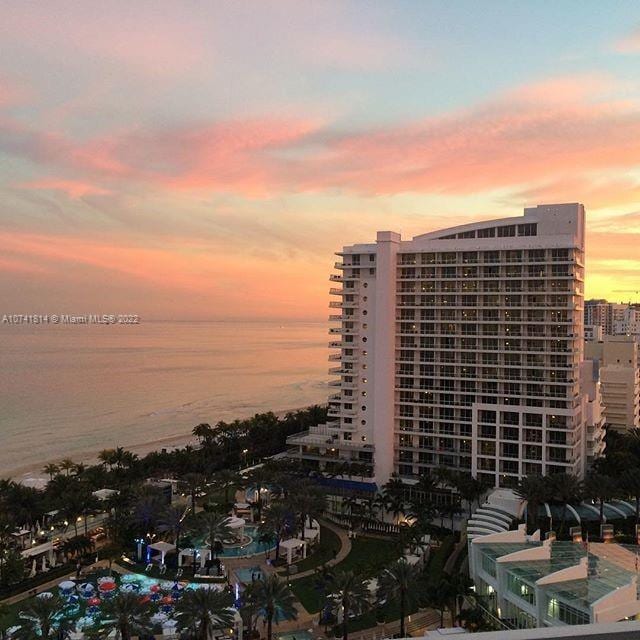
(345, 549)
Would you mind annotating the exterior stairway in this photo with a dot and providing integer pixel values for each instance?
(497, 514)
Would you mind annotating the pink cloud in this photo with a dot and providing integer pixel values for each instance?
(73, 188)
(524, 138)
(630, 43)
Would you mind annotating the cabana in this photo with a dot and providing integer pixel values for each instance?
(162, 548)
(237, 527)
(293, 545)
(105, 494)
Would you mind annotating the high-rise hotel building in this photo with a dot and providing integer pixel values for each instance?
(461, 348)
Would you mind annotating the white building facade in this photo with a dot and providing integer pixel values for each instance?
(460, 348)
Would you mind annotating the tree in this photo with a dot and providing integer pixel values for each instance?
(535, 491)
(278, 519)
(67, 465)
(308, 501)
(566, 488)
(227, 479)
(600, 488)
(51, 470)
(249, 608)
(171, 522)
(630, 484)
(107, 457)
(128, 615)
(204, 433)
(192, 484)
(258, 479)
(400, 583)
(216, 526)
(201, 612)
(273, 595)
(351, 597)
(41, 620)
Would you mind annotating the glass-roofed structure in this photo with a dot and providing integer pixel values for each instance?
(528, 583)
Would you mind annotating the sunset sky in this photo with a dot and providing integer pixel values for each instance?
(196, 160)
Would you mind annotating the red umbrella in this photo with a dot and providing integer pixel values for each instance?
(167, 600)
(107, 586)
(154, 588)
(145, 599)
(94, 602)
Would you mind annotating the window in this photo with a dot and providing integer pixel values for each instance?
(487, 233)
(530, 229)
(508, 231)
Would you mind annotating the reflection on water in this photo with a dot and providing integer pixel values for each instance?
(72, 390)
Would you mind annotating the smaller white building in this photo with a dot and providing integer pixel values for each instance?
(529, 583)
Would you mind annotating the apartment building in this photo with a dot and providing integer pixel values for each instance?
(618, 359)
(613, 318)
(459, 348)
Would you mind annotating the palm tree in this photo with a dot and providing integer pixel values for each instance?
(128, 615)
(600, 488)
(67, 465)
(259, 478)
(107, 457)
(400, 583)
(566, 488)
(308, 501)
(535, 491)
(351, 597)
(192, 484)
(249, 608)
(630, 484)
(278, 519)
(172, 521)
(203, 432)
(41, 619)
(217, 527)
(201, 612)
(273, 595)
(51, 470)
(227, 479)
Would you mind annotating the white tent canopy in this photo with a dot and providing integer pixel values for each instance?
(163, 548)
(291, 545)
(105, 494)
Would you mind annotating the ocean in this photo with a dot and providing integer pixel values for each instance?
(72, 390)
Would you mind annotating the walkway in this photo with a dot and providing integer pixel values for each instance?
(345, 549)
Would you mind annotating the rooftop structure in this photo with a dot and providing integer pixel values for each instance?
(529, 583)
(460, 348)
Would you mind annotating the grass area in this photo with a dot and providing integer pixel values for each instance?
(324, 551)
(367, 556)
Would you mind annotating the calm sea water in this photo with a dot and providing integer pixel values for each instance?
(73, 390)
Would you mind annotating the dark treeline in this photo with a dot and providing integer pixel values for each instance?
(224, 446)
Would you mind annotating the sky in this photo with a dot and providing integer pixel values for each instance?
(203, 160)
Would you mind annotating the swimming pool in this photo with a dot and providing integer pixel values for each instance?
(249, 574)
(251, 548)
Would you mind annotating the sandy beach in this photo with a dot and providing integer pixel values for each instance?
(32, 475)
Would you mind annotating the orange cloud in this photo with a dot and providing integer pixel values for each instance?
(190, 279)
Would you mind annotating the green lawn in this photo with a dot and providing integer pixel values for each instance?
(367, 556)
(326, 550)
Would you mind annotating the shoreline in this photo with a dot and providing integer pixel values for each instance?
(32, 474)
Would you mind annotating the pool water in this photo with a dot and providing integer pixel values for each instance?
(251, 548)
(247, 574)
